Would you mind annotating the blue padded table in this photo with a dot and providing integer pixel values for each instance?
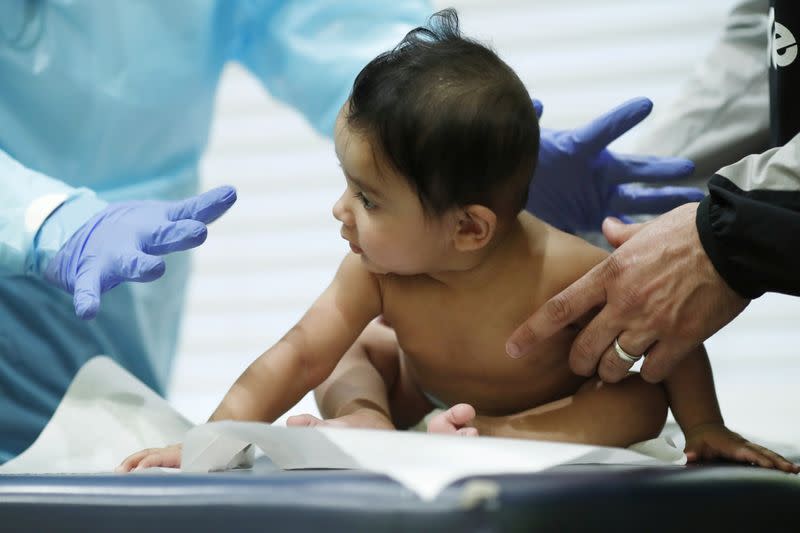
(566, 498)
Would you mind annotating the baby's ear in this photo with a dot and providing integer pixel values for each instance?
(476, 225)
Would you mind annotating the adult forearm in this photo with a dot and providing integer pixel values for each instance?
(752, 236)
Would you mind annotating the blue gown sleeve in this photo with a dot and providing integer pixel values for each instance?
(308, 52)
(37, 215)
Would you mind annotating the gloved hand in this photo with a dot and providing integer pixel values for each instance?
(578, 182)
(122, 242)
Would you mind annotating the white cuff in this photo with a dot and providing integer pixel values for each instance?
(40, 209)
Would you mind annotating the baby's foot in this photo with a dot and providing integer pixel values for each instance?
(454, 421)
(364, 418)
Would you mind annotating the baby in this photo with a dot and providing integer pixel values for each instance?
(437, 143)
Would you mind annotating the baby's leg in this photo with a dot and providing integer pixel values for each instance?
(599, 413)
(370, 387)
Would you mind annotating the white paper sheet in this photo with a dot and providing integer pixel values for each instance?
(107, 414)
(422, 462)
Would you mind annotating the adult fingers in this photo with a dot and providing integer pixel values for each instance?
(613, 366)
(616, 232)
(562, 309)
(661, 360)
(605, 129)
(624, 168)
(139, 266)
(176, 237)
(86, 292)
(205, 207)
(592, 342)
(636, 200)
(538, 107)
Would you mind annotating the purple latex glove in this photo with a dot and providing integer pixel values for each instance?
(578, 182)
(122, 242)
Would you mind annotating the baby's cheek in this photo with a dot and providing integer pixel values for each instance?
(394, 254)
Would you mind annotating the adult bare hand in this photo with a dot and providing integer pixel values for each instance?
(657, 293)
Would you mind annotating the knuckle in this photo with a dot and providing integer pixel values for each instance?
(528, 331)
(612, 369)
(613, 267)
(581, 351)
(582, 360)
(556, 309)
(629, 298)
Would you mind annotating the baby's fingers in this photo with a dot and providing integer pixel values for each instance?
(778, 461)
(750, 453)
(166, 458)
(132, 461)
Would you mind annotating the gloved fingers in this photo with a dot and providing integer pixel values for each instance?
(605, 129)
(175, 237)
(646, 169)
(139, 266)
(86, 292)
(636, 200)
(538, 107)
(205, 207)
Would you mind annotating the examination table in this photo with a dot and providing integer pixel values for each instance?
(564, 498)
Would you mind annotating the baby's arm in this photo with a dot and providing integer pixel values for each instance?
(693, 401)
(298, 362)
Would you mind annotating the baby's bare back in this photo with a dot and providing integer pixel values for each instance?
(453, 340)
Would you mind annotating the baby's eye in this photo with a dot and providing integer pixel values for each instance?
(365, 201)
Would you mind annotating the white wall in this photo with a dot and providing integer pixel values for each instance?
(266, 261)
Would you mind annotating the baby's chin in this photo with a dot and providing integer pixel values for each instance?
(372, 267)
(384, 270)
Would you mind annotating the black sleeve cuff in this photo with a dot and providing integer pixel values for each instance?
(752, 237)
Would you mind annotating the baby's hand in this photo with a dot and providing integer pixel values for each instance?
(715, 441)
(169, 456)
(454, 421)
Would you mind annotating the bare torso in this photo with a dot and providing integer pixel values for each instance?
(453, 339)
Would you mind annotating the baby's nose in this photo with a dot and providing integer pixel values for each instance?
(340, 211)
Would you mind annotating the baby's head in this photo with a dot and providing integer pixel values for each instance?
(449, 119)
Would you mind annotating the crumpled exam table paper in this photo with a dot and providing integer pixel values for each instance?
(107, 414)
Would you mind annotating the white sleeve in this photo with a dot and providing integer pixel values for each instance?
(30, 198)
(777, 169)
(722, 111)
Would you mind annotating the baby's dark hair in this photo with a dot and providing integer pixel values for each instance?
(451, 117)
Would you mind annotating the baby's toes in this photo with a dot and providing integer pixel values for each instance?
(305, 420)
(452, 420)
(467, 432)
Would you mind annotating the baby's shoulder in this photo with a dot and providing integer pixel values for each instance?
(565, 258)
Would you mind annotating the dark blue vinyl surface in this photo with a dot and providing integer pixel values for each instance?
(587, 497)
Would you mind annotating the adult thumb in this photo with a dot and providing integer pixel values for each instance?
(617, 232)
(86, 294)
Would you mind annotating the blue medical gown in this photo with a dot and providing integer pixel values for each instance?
(112, 100)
